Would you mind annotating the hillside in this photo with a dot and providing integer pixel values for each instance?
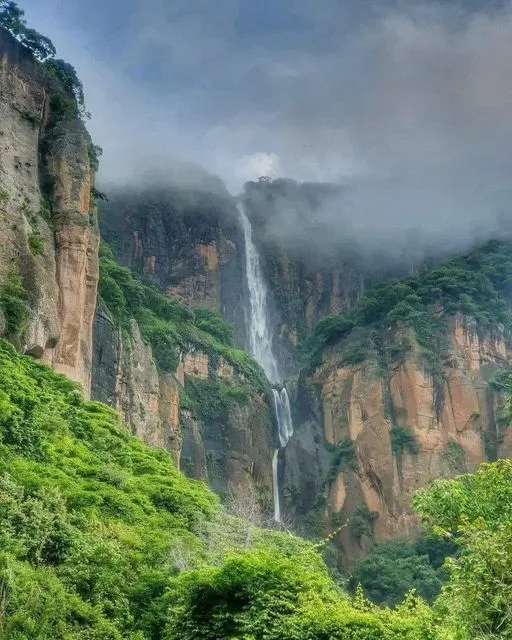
(95, 524)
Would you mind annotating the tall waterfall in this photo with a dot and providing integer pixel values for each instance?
(260, 343)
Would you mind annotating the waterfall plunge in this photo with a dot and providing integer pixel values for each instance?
(260, 344)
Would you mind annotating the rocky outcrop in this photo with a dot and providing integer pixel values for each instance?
(126, 377)
(232, 452)
(50, 237)
(371, 437)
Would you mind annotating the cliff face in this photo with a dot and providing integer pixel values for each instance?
(231, 451)
(370, 436)
(186, 241)
(50, 237)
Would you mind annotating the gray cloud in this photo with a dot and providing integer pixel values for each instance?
(408, 105)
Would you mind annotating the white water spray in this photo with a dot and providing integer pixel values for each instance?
(275, 486)
(260, 343)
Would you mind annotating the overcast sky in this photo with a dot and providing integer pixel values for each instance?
(406, 102)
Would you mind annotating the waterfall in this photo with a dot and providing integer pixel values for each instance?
(275, 486)
(284, 416)
(260, 345)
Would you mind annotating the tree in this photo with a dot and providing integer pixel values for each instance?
(393, 569)
(477, 507)
(12, 19)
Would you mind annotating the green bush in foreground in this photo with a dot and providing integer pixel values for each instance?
(272, 595)
(90, 517)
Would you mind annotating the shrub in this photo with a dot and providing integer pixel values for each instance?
(4, 196)
(343, 458)
(363, 521)
(36, 244)
(15, 304)
(391, 569)
(455, 456)
(403, 441)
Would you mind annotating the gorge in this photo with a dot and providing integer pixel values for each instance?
(184, 392)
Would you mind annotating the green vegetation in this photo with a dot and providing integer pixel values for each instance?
(36, 244)
(278, 596)
(213, 398)
(475, 285)
(477, 509)
(403, 441)
(343, 458)
(15, 305)
(168, 325)
(392, 569)
(89, 515)
(11, 19)
(4, 196)
(45, 210)
(455, 457)
(363, 522)
(73, 88)
(71, 100)
(28, 116)
(95, 153)
(102, 537)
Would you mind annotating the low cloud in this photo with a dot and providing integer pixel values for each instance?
(407, 105)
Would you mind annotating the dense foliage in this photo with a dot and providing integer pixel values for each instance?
(101, 537)
(90, 517)
(477, 601)
(477, 285)
(391, 569)
(278, 596)
(15, 305)
(42, 48)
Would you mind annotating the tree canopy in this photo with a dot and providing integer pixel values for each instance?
(12, 19)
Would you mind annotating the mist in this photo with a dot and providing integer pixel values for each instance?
(406, 106)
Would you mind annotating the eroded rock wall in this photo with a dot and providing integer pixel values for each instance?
(455, 422)
(233, 454)
(47, 214)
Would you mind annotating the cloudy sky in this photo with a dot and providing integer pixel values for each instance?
(409, 102)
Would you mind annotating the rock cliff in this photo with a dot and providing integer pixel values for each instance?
(385, 412)
(184, 239)
(48, 254)
(178, 382)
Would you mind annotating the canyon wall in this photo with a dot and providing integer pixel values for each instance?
(231, 451)
(48, 253)
(368, 436)
(186, 240)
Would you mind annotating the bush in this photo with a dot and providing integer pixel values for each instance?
(15, 305)
(363, 521)
(392, 569)
(4, 196)
(343, 458)
(403, 441)
(275, 596)
(36, 244)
